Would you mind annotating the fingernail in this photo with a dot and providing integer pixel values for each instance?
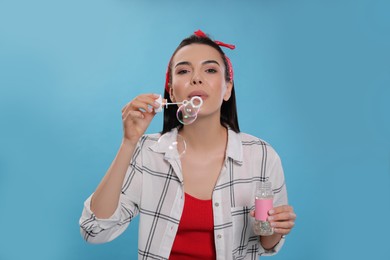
(156, 104)
(271, 212)
(273, 224)
(270, 218)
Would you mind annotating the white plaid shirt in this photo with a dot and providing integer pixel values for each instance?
(153, 188)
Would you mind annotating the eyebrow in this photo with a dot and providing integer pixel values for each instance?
(203, 63)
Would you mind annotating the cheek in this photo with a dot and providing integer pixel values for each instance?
(179, 85)
(179, 82)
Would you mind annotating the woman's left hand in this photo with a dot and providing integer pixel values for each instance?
(281, 218)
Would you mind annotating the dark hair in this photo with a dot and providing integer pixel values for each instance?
(228, 109)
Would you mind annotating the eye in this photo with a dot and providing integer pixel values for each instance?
(211, 71)
(182, 71)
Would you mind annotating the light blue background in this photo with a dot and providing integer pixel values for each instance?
(312, 78)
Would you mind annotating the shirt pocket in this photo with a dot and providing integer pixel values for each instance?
(245, 242)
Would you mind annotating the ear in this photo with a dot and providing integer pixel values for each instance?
(228, 92)
(171, 94)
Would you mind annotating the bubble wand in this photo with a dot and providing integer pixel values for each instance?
(187, 111)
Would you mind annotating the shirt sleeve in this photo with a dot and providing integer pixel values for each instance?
(95, 230)
(274, 250)
(276, 177)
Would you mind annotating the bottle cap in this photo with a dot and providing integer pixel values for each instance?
(159, 101)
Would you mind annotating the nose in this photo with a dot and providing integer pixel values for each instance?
(196, 80)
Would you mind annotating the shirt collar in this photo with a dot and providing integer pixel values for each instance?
(234, 146)
(165, 145)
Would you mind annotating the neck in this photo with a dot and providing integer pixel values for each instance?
(205, 134)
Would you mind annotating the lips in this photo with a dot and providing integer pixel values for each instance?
(198, 93)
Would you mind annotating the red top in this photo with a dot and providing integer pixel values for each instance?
(195, 235)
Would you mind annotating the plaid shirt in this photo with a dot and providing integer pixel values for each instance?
(153, 188)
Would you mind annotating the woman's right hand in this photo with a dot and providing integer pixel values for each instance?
(137, 115)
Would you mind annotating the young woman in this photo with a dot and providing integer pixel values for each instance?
(199, 205)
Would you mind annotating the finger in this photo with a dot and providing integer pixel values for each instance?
(145, 104)
(124, 108)
(282, 231)
(280, 209)
(282, 216)
(133, 115)
(141, 105)
(142, 102)
(134, 105)
(150, 99)
(252, 213)
(283, 224)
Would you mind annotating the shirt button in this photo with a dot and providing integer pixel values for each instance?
(219, 236)
(216, 204)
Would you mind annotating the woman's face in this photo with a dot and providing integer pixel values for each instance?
(198, 70)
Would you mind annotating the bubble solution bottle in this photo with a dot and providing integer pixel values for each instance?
(263, 203)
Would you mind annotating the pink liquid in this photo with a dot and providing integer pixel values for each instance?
(262, 206)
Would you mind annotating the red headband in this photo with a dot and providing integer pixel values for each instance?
(201, 34)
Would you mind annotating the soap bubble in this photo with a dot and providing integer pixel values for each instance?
(188, 111)
(176, 148)
(186, 114)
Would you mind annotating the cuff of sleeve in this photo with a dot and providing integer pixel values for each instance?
(274, 250)
(103, 223)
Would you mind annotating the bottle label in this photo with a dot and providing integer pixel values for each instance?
(262, 206)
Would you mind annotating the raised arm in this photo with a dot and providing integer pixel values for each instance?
(136, 117)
